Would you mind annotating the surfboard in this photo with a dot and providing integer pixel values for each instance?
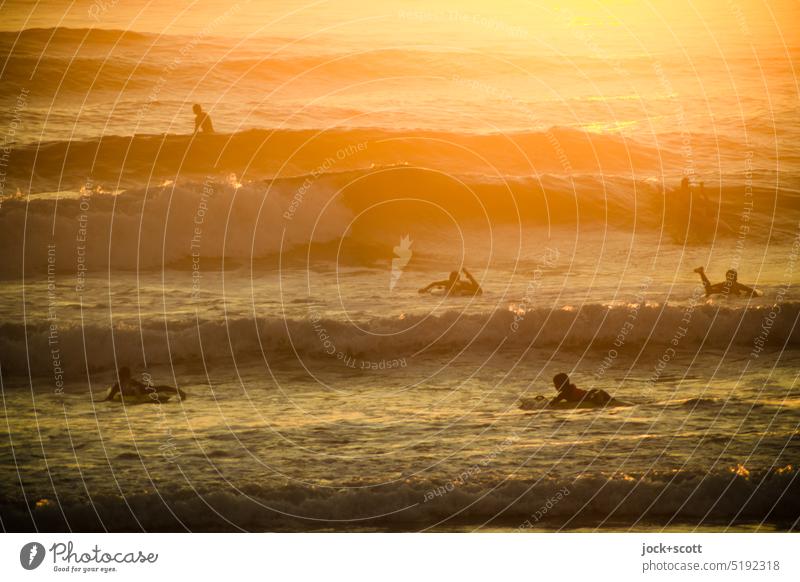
(151, 397)
(451, 294)
(541, 402)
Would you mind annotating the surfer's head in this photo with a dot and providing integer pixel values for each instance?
(197, 109)
(560, 381)
(731, 275)
(124, 373)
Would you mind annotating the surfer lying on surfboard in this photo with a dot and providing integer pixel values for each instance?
(730, 286)
(568, 392)
(127, 387)
(454, 285)
(571, 397)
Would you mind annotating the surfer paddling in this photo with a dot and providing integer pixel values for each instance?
(127, 387)
(730, 286)
(202, 121)
(455, 285)
(568, 392)
(570, 396)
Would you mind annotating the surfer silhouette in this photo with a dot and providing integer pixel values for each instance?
(685, 200)
(568, 392)
(704, 200)
(454, 285)
(125, 386)
(685, 187)
(129, 387)
(730, 286)
(202, 121)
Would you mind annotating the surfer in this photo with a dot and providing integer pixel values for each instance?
(686, 188)
(730, 286)
(454, 285)
(125, 386)
(704, 200)
(568, 392)
(132, 388)
(685, 199)
(677, 208)
(202, 121)
(570, 396)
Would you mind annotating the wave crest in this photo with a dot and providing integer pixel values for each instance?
(721, 498)
(333, 342)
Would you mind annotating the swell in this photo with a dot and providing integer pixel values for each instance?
(111, 67)
(79, 74)
(689, 497)
(160, 226)
(65, 34)
(322, 342)
(64, 40)
(278, 152)
(166, 224)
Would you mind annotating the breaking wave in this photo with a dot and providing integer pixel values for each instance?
(690, 497)
(169, 221)
(332, 342)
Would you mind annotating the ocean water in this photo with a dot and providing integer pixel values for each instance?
(271, 271)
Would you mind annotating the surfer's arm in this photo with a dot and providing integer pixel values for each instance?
(706, 283)
(715, 289)
(470, 277)
(748, 291)
(140, 388)
(155, 391)
(433, 286)
(174, 389)
(110, 393)
(475, 286)
(558, 399)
